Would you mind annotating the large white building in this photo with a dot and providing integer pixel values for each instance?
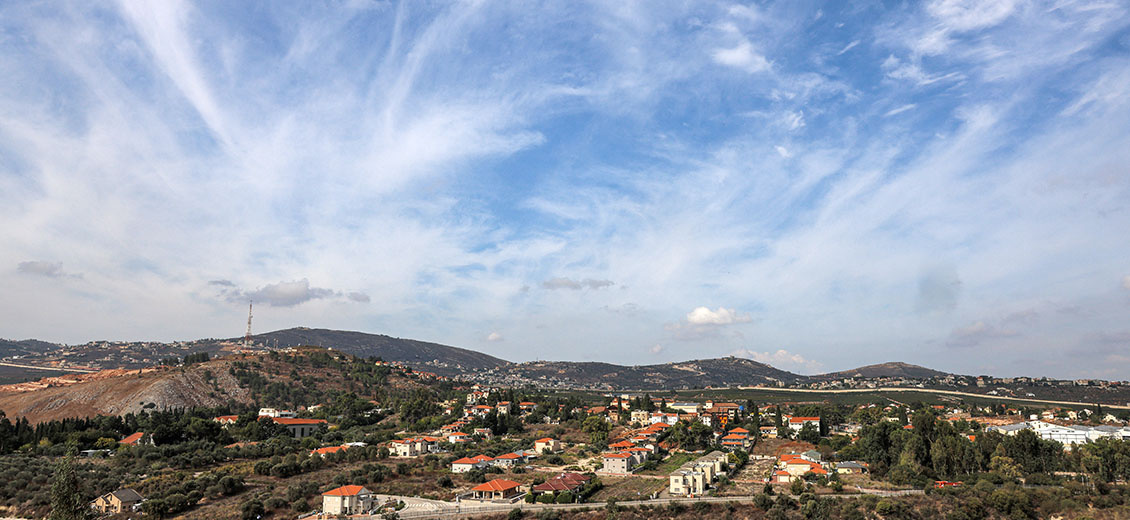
(1066, 434)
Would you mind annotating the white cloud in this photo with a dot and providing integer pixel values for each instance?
(1126, 282)
(494, 336)
(783, 152)
(782, 359)
(742, 56)
(359, 297)
(899, 110)
(719, 316)
(656, 349)
(848, 47)
(968, 15)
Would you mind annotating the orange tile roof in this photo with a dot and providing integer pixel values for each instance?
(803, 419)
(621, 444)
(227, 418)
(133, 438)
(466, 460)
(508, 456)
(330, 449)
(546, 439)
(617, 455)
(291, 421)
(482, 458)
(496, 485)
(345, 491)
(739, 430)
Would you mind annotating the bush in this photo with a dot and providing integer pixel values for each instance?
(762, 501)
(515, 514)
(797, 487)
(445, 481)
(565, 498)
(545, 498)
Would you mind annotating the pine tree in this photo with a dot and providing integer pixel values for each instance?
(66, 503)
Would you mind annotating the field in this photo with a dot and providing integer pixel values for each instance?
(628, 488)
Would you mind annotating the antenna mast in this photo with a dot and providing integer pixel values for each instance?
(247, 337)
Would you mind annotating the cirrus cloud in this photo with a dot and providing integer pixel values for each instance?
(719, 316)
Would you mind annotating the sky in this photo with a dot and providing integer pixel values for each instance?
(817, 186)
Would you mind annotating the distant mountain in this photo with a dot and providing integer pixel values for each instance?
(893, 369)
(440, 358)
(728, 371)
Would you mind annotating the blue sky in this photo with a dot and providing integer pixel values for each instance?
(816, 186)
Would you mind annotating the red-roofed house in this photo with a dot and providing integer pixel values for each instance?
(137, 439)
(458, 438)
(553, 445)
(622, 445)
(347, 500)
(796, 423)
(300, 428)
(508, 459)
(622, 462)
(466, 464)
(498, 489)
(328, 449)
(571, 482)
(226, 419)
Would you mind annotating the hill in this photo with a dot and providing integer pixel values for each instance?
(438, 358)
(893, 369)
(9, 347)
(273, 379)
(728, 371)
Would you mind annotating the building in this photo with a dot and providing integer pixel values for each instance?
(271, 412)
(498, 489)
(300, 428)
(322, 452)
(797, 423)
(694, 477)
(458, 438)
(571, 482)
(137, 439)
(466, 464)
(623, 462)
(407, 447)
(120, 501)
(850, 468)
(553, 445)
(347, 500)
(509, 460)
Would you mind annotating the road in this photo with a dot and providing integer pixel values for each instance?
(54, 369)
(427, 509)
(928, 391)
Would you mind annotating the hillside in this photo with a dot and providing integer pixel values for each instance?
(893, 369)
(728, 371)
(438, 358)
(285, 380)
(9, 347)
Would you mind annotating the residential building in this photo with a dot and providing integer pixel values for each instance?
(120, 501)
(300, 428)
(347, 500)
(571, 482)
(547, 443)
(797, 423)
(466, 464)
(137, 439)
(622, 462)
(498, 489)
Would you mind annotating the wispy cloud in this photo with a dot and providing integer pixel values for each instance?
(44, 268)
(432, 170)
(782, 359)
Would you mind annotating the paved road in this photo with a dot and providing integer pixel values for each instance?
(55, 369)
(445, 510)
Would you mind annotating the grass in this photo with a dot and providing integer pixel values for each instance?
(671, 463)
(627, 488)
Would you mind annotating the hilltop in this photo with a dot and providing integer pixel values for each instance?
(439, 358)
(892, 369)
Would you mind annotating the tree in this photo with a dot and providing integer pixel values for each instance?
(597, 428)
(809, 433)
(66, 502)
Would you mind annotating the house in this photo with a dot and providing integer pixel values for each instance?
(639, 416)
(797, 423)
(300, 428)
(466, 464)
(735, 441)
(503, 407)
(571, 482)
(796, 465)
(120, 501)
(508, 460)
(622, 462)
(407, 447)
(226, 420)
(622, 445)
(687, 482)
(347, 500)
(782, 477)
(137, 439)
(458, 438)
(553, 445)
(271, 412)
(526, 406)
(769, 432)
(498, 489)
(484, 433)
(850, 468)
(686, 407)
(694, 477)
(322, 452)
